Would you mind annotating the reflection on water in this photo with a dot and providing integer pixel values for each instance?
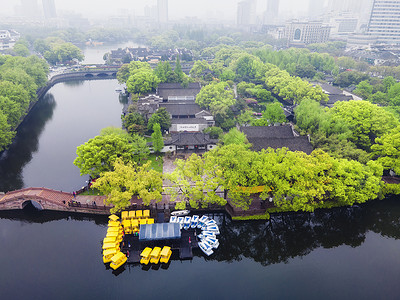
(335, 254)
(68, 115)
(25, 144)
(278, 240)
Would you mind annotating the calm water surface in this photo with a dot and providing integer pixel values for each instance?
(339, 254)
(67, 116)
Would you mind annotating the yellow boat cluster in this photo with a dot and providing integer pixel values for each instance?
(155, 255)
(111, 243)
(131, 220)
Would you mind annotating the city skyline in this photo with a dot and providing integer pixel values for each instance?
(177, 9)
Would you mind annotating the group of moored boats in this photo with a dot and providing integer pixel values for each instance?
(208, 235)
(111, 243)
(155, 255)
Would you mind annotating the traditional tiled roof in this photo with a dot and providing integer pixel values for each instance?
(180, 109)
(189, 139)
(264, 137)
(166, 90)
(296, 143)
(284, 131)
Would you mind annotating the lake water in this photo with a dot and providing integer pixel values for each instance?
(345, 253)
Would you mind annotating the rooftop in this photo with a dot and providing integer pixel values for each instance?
(190, 139)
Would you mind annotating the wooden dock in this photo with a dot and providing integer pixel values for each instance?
(184, 245)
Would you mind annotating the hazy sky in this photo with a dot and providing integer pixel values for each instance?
(225, 9)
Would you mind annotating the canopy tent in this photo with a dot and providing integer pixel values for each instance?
(159, 231)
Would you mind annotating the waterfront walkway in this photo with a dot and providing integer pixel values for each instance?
(48, 199)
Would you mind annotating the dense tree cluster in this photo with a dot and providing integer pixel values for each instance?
(57, 51)
(294, 180)
(20, 77)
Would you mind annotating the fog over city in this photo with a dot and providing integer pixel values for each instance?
(225, 9)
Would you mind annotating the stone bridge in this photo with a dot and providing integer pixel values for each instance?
(84, 73)
(48, 199)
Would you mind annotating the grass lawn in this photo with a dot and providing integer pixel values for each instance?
(155, 164)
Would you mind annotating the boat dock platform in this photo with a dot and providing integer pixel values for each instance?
(184, 245)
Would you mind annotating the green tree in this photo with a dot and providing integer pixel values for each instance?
(236, 137)
(21, 50)
(364, 89)
(127, 180)
(178, 70)
(156, 138)
(6, 134)
(162, 117)
(123, 73)
(366, 121)
(134, 123)
(63, 53)
(214, 132)
(12, 110)
(99, 154)
(387, 150)
(142, 82)
(274, 113)
(217, 97)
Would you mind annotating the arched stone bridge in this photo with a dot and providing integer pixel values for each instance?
(48, 199)
(95, 73)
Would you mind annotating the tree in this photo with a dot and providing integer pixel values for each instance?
(15, 93)
(236, 137)
(274, 113)
(12, 110)
(134, 123)
(214, 132)
(164, 72)
(127, 180)
(217, 97)
(99, 154)
(123, 73)
(63, 53)
(21, 50)
(178, 70)
(366, 121)
(364, 89)
(387, 150)
(6, 135)
(162, 117)
(140, 149)
(142, 82)
(157, 139)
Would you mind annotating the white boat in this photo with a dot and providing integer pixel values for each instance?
(206, 248)
(180, 213)
(213, 228)
(202, 220)
(195, 221)
(180, 221)
(213, 242)
(173, 219)
(186, 223)
(210, 222)
(209, 233)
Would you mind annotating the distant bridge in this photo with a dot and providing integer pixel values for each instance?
(92, 72)
(48, 199)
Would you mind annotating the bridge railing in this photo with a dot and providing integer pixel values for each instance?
(77, 204)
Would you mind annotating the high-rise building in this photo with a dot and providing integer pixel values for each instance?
(49, 9)
(308, 32)
(246, 13)
(384, 21)
(162, 11)
(272, 12)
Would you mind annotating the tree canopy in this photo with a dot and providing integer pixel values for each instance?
(127, 180)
